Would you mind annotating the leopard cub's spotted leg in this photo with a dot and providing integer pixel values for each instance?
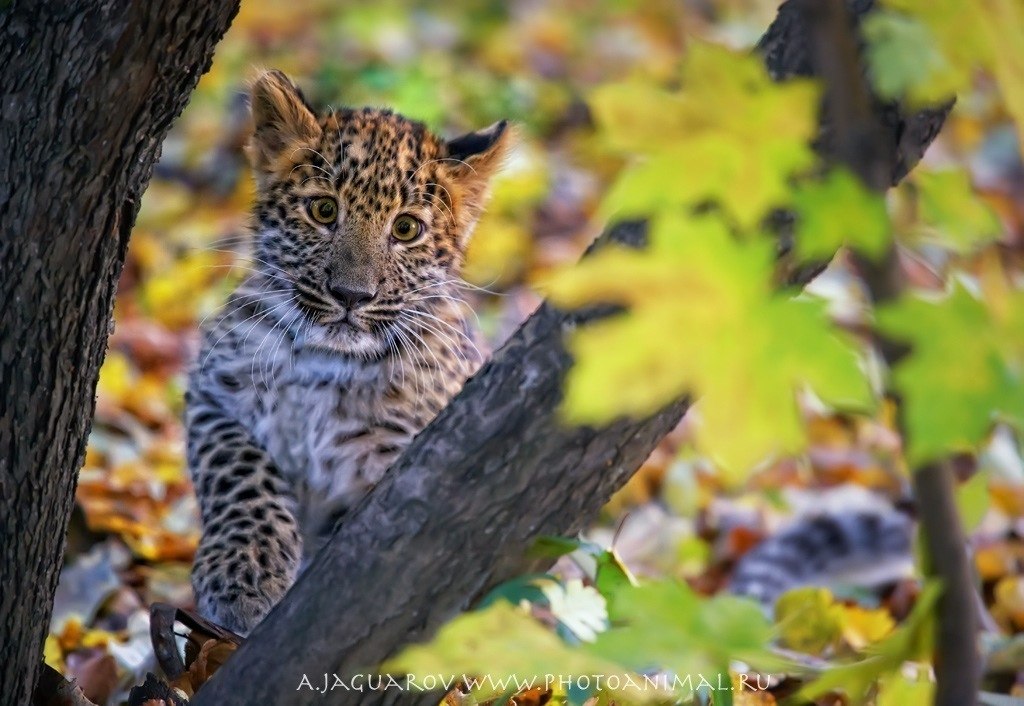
(250, 548)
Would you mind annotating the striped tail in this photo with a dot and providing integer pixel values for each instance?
(864, 548)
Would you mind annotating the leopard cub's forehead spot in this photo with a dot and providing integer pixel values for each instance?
(378, 140)
(376, 162)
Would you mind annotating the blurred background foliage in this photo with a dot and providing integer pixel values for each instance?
(458, 66)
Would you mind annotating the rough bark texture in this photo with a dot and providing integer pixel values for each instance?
(88, 91)
(900, 137)
(492, 472)
(52, 689)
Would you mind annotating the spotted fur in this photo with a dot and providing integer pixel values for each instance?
(339, 347)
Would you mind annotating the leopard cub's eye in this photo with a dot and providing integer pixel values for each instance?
(323, 210)
(406, 228)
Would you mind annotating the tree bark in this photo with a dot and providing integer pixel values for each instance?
(492, 472)
(791, 48)
(87, 94)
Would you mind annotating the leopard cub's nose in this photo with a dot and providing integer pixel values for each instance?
(351, 297)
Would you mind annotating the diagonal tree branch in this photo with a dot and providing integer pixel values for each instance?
(452, 518)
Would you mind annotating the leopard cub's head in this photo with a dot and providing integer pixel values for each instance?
(362, 216)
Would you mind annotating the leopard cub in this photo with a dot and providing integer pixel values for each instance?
(343, 342)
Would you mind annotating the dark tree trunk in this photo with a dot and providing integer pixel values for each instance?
(88, 91)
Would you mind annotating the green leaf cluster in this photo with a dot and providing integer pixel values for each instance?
(965, 370)
(730, 136)
(658, 628)
(912, 641)
(722, 334)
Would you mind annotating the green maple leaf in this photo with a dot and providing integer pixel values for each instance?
(903, 59)
(897, 690)
(929, 50)
(953, 212)
(665, 624)
(839, 211)
(730, 135)
(965, 370)
(722, 334)
(500, 642)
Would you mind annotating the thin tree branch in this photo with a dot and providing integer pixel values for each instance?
(862, 143)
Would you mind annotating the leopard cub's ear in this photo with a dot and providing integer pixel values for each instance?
(476, 155)
(282, 120)
(471, 160)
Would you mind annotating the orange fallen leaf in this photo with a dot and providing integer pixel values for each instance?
(212, 656)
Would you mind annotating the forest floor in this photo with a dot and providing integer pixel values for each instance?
(135, 527)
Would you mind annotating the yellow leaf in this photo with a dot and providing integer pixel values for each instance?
(498, 251)
(1004, 22)
(730, 135)
(912, 640)
(809, 620)
(723, 335)
(53, 655)
(1009, 602)
(864, 626)
(173, 295)
(117, 378)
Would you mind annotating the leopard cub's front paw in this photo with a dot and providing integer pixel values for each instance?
(238, 614)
